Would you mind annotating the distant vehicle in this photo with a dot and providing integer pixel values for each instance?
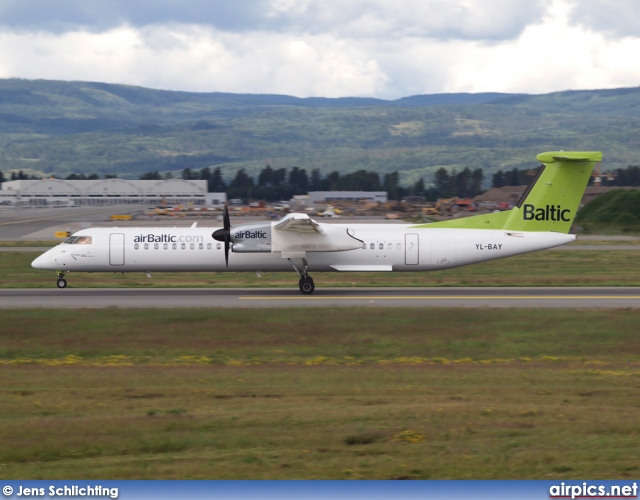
(453, 205)
(431, 211)
(330, 211)
(466, 204)
(541, 219)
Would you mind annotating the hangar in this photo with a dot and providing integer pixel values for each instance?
(59, 192)
(325, 196)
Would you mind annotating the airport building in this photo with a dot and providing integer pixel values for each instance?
(328, 196)
(58, 192)
(169, 192)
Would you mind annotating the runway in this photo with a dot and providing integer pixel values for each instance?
(552, 297)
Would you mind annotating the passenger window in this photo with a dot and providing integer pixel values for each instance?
(174, 246)
(146, 246)
(136, 246)
(398, 246)
(201, 246)
(389, 246)
(165, 246)
(209, 246)
(183, 246)
(156, 246)
(192, 246)
(381, 246)
(372, 246)
(218, 246)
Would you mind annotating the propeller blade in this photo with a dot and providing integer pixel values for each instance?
(224, 234)
(225, 217)
(226, 222)
(226, 250)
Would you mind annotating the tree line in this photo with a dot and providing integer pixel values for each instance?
(514, 177)
(282, 184)
(21, 176)
(629, 176)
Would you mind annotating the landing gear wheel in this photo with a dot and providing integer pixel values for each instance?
(306, 285)
(62, 283)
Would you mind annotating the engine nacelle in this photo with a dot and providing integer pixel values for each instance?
(251, 238)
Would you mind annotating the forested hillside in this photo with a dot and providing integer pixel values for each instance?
(59, 128)
(617, 209)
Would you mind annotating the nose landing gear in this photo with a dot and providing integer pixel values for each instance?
(61, 283)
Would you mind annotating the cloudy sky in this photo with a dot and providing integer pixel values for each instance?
(332, 48)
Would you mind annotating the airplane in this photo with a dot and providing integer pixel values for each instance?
(541, 219)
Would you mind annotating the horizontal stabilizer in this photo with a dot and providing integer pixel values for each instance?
(550, 157)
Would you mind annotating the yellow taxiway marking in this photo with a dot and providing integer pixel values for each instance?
(452, 297)
(62, 216)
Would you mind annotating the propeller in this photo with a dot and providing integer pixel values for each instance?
(224, 234)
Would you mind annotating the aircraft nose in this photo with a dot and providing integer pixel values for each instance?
(43, 262)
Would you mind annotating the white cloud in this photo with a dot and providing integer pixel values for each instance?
(378, 48)
(615, 18)
(196, 59)
(446, 19)
(71, 56)
(550, 56)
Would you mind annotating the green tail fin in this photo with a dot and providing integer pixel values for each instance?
(552, 199)
(549, 203)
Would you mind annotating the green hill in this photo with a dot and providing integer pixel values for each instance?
(618, 209)
(51, 127)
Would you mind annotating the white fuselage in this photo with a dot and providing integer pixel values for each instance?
(384, 247)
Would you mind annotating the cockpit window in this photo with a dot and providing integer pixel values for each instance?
(78, 240)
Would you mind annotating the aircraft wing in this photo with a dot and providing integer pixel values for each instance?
(299, 233)
(301, 223)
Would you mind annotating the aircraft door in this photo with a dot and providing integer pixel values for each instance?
(411, 249)
(116, 249)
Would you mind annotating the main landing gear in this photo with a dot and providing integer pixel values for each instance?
(306, 284)
(61, 283)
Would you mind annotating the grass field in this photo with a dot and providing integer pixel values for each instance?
(548, 268)
(319, 393)
(343, 393)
